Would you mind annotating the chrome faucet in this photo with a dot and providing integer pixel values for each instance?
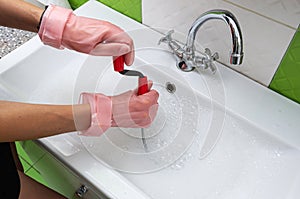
(186, 58)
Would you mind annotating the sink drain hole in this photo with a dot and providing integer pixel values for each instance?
(171, 88)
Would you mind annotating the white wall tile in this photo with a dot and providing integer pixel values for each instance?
(265, 40)
(283, 11)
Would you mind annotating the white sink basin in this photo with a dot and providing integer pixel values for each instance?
(217, 136)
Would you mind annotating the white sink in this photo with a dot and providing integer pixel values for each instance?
(217, 136)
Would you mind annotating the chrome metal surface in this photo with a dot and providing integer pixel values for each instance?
(144, 140)
(171, 88)
(186, 58)
(81, 191)
(236, 56)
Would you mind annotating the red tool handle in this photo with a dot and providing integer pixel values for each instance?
(119, 64)
(143, 82)
(143, 85)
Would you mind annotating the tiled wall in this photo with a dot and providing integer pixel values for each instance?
(267, 26)
(130, 8)
(286, 80)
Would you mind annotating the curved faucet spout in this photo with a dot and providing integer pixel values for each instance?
(236, 56)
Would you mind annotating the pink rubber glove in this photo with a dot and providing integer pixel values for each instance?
(125, 110)
(61, 28)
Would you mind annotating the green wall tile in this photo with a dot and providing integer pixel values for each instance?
(286, 80)
(130, 8)
(76, 3)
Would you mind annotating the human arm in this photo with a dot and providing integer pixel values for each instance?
(23, 121)
(20, 14)
(61, 28)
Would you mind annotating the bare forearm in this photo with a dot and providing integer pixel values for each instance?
(21, 121)
(19, 14)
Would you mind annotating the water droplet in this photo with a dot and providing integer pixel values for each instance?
(278, 153)
(125, 148)
(177, 166)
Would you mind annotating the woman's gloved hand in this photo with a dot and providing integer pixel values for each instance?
(130, 110)
(60, 28)
(127, 110)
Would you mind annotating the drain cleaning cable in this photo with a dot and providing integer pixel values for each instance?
(142, 85)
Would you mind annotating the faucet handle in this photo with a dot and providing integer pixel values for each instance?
(186, 58)
(207, 60)
(167, 38)
(213, 57)
(211, 66)
(173, 45)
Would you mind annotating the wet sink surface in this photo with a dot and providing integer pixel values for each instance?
(243, 159)
(216, 136)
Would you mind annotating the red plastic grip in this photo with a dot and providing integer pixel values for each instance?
(119, 64)
(143, 85)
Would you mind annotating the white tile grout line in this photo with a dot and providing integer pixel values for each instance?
(257, 13)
